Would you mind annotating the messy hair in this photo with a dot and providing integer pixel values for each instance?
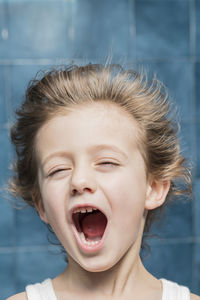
(145, 101)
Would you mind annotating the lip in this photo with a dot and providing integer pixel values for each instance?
(84, 247)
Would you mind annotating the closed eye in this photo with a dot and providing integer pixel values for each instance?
(57, 171)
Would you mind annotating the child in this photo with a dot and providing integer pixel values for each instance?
(98, 156)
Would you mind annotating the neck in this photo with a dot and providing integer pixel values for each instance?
(127, 277)
(112, 282)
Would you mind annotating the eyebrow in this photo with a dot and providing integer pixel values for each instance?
(93, 149)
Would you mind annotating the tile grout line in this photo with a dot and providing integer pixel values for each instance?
(171, 241)
(36, 248)
(63, 61)
(27, 249)
(132, 28)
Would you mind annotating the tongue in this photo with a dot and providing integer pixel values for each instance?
(94, 224)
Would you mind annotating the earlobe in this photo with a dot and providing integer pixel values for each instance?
(39, 207)
(156, 194)
(41, 211)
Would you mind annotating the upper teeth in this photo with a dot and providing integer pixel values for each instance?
(84, 210)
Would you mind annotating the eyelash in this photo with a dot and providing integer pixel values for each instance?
(56, 171)
(109, 163)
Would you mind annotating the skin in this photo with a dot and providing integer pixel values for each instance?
(90, 155)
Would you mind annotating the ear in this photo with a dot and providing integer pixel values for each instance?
(156, 193)
(39, 207)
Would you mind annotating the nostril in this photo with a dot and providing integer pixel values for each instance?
(76, 191)
(87, 190)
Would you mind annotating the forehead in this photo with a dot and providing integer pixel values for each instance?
(91, 124)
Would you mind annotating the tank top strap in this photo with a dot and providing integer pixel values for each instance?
(173, 291)
(41, 291)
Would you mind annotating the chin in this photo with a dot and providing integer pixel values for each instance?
(95, 264)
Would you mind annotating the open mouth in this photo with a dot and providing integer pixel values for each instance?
(90, 224)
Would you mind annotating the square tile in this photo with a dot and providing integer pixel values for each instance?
(36, 266)
(30, 230)
(3, 29)
(162, 29)
(103, 27)
(3, 96)
(20, 76)
(196, 210)
(172, 262)
(197, 28)
(39, 29)
(7, 275)
(196, 288)
(176, 222)
(187, 143)
(7, 221)
(197, 86)
(5, 157)
(176, 76)
(198, 149)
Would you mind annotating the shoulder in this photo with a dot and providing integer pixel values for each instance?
(195, 297)
(20, 296)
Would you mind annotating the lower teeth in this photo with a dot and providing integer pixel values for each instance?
(89, 243)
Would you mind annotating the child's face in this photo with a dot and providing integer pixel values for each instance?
(89, 157)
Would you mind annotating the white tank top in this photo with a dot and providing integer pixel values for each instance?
(45, 291)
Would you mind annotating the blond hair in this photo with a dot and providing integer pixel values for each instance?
(74, 85)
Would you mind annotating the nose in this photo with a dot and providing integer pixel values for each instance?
(82, 180)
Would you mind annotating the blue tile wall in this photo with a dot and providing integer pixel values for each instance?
(20, 75)
(198, 146)
(197, 18)
(196, 224)
(161, 35)
(7, 222)
(4, 29)
(92, 40)
(34, 272)
(197, 73)
(175, 256)
(160, 31)
(196, 270)
(3, 104)
(5, 156)
(7, 274)
(39, 29)
(30, 230)
(177, 77)
(197, 207)
(177, 221)
(187, 142)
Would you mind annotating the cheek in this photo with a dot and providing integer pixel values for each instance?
(54, 197)
(127, 197)
(128, 189)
